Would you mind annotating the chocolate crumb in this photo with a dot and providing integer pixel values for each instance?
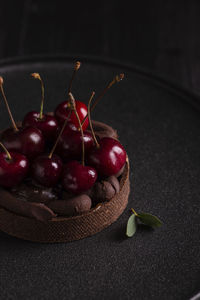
(102, 191)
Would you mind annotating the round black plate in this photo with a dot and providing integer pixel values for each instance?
(158, 124)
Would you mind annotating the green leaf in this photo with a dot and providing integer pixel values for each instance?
(131, 226)
(149, 220)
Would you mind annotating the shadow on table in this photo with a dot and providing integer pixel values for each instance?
(119, 234)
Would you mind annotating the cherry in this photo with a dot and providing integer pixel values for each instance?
(29, 141)
(13, 168)
(77, 177)
(62, 110)
(46, 123)
(69, 145)
(46, 169)
(69, 128)
(108, 156)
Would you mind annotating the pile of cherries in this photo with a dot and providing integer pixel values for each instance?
(58, 148)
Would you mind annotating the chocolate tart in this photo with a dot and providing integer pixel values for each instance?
(66, 229)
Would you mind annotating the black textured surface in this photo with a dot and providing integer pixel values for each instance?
(160, 131)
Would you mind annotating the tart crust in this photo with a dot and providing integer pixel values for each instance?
(67, 229)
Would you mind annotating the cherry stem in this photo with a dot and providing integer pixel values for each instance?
(76, 68)
(61, 132)
(6, 151)
(7, 106)
(116, 79)
(134, 212)
(37, 76)
(90, 121)
(72, 104)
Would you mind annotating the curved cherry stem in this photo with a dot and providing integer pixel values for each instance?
(61, 132)
(90, 121)
(7, 106)
(72, 104)
(76, 68)
(37, 76)
(6, 151)
(116, 79)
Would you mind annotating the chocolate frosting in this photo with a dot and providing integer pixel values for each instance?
(32, 192)
(72, 206)
(38, 211)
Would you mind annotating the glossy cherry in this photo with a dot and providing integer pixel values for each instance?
(78, 178)
(69, 144)
(28, 141)
(63, 109)
(48, 125)
(69, 128)
(46, 170)
(108, 158)
(13, 168)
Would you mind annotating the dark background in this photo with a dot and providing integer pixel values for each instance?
(162, 36)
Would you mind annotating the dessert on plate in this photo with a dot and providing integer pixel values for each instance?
(63, 177)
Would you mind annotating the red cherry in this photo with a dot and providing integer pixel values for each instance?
(69, 144)
(108, 158)
(12, 170)
(48, 125)
(46, 170)
(28, 141)
(77, 178)
(62, 111)
(69, 128)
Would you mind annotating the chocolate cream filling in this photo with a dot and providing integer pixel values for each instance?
(38, 211)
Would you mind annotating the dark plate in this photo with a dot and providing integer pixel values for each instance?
(158, 123)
